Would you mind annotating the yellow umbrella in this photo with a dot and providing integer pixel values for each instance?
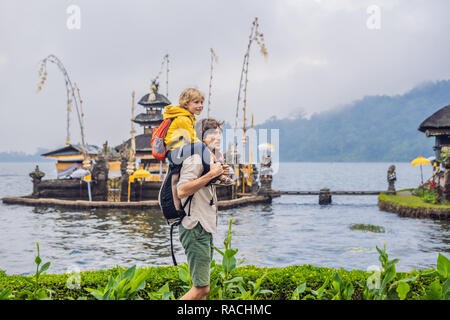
(140, 173)
(420, 161)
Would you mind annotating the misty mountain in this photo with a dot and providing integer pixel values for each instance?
(375, 128)
(24, 157)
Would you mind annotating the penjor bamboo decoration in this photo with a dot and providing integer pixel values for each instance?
(86, 163)
(132, 154)
(71, 98)
(215, 59)
(255, 36)
(165, 62)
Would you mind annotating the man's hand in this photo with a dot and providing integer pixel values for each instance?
(193, 186)
(226, 169)
(216, 170)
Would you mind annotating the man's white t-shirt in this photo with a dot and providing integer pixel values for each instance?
(203, 207)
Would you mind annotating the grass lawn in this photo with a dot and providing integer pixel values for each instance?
(410, 201)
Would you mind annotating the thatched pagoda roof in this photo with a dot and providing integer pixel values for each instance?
(154, 99)
(72, 150)
(149, 119)
(143, 143)
(438, 121)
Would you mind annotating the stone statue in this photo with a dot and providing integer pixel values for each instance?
(100, 177)
(265, 175)
(101, 169)
(255, 185)
(105, 149)
(37, 176)
(391, 178)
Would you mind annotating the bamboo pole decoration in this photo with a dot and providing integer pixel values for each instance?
(255, 36)
(132, 132)
(86, 162)
(250, 158)
(70, 91)
(214, 58)
(167, 75)
(132, 154)
(165, 62)
(69, 109)
(83, 142)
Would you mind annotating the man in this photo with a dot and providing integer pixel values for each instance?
(196, 228)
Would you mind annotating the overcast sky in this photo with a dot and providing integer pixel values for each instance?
(322, 54)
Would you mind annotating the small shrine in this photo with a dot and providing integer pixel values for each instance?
(70, 158)
(438, 126)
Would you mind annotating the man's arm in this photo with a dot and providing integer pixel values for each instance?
(193, 186)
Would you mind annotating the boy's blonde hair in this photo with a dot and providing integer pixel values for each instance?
(188, 95)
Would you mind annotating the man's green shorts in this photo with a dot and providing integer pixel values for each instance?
(198, 246)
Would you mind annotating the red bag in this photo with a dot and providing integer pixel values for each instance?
(159, 149)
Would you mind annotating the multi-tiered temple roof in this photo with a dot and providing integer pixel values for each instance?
(154, 104)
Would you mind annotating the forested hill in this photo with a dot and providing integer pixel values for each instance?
(375, 128)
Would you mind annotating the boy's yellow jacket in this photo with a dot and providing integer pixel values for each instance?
(181, 126)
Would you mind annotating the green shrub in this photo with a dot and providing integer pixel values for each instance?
(282, 281)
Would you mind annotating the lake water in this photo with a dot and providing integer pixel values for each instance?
(291, 230)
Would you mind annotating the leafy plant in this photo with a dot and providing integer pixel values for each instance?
(298, 291)
(6, 294)
(163, 293)
(443, 267)
(38, 293)
(340, 290)
(429, 192)
(440, 287)
(334, 288)
(381, 285)
(124, 286)
(226, 287)
(228, 255)
(39, 270)
(319, 294)
(185, 276)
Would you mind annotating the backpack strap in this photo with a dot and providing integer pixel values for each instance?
(188, 200)
(177, 223)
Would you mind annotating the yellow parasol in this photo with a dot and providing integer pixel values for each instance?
(420, 161)
(140, 173)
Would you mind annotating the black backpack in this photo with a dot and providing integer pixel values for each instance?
(170, 203)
